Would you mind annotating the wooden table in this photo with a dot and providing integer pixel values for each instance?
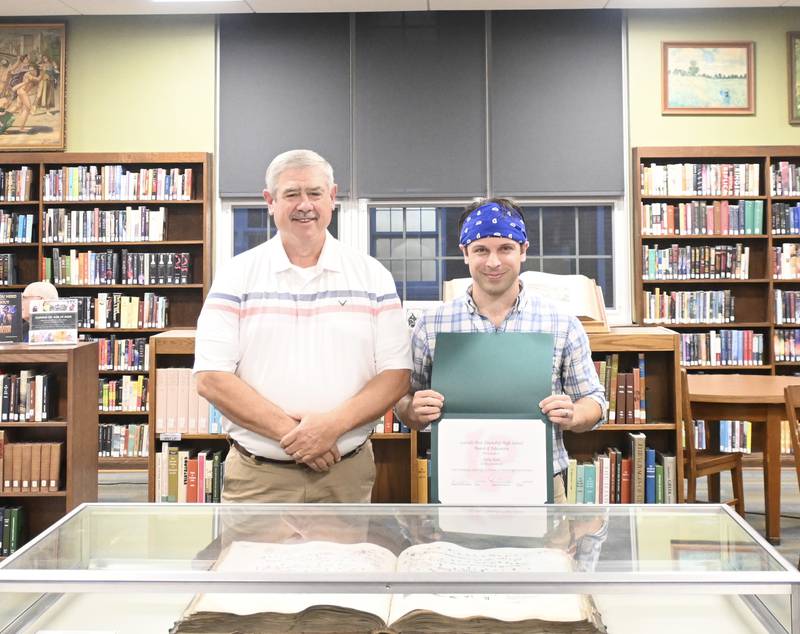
(756, 398)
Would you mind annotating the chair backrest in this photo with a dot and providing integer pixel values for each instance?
(690, 453)
(791, 395)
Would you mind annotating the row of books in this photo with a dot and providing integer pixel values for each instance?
(8, 269)
(785, 218)
(786, 344)
(27, 396)
(641, 475)
(132, 224)
(721, 261)
(784, 261)
(123, 441)
(786, 306)
(390, 424)
(114, 353)
(113, 182)
(15, 184)
(186, 475)
(734, 435)
(719, 217)
(700, 179)
(116, 310)
(127, 393)
(726, 347)
(179, 408)
(12, 529)
(30, 467)
(16, 227)
(688, 307)
(624, 391)
(91, 268)
(784, 178)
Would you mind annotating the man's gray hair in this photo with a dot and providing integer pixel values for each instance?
(295, 159)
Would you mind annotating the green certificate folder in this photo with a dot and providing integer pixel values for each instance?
(493, 376)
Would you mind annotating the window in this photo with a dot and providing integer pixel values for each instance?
(419, 244)
(253, 225)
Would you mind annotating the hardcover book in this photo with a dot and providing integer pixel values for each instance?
(54, 321)
(10, 317)
(387, 613)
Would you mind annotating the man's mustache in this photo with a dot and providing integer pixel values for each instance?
(299, 215)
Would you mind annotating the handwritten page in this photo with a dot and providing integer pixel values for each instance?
(448, 557)
(310, 557)
(497, 461)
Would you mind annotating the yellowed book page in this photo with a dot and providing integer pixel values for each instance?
(310, 557)
(450, 558)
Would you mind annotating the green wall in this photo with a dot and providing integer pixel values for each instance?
(766, 27)
(140, 84)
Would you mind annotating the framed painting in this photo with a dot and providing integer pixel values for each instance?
(707, 78)
(32, 86)
(793, 38)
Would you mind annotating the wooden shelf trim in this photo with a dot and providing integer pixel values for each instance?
(120, 243)
(32, 494)
(35, 424)
(707, 280)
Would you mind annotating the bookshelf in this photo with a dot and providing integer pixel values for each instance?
(756, 293)
(72, 207)
(662, 427)
(73, 422)
(175, 348)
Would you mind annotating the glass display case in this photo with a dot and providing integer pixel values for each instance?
(264, 568)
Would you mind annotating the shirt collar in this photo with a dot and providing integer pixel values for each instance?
(329, 259)
(519, 303)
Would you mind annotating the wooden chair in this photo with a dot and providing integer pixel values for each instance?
(708, 463)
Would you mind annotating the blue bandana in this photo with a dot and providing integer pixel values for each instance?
(493, 221)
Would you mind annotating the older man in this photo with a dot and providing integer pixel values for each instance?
(302, 345)
(494, 242)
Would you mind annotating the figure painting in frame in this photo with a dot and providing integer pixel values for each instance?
(32, 86)
(707, 78)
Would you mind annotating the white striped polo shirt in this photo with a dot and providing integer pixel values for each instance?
(307, 339)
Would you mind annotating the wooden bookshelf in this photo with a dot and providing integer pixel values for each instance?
(187, 229)
(663, 430)
(74, 423)
(754, 307)
(175, 348)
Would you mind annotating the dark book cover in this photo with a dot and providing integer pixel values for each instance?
(10, 317)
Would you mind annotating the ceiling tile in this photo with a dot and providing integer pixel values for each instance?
(34, 7)
(138, 7)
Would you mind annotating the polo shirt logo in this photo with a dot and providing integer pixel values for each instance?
(342, 302)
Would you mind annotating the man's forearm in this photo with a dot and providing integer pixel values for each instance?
(588, 412)
(241, 404)
(404, 411)
(373, 400)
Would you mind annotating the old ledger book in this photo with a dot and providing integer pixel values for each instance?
(575, 294)
(384, 613)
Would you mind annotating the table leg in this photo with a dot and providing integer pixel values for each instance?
(713, 487)
(772, 473)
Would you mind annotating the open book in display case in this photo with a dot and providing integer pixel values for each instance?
(351, 568)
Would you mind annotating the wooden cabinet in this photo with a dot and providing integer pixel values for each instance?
(662, 429)
(69, 202)
(73, 423)
(175, 349)
(772, 240)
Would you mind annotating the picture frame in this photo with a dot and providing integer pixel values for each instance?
(719, 556)
(32, 73)
(793, 51)
(707, 78)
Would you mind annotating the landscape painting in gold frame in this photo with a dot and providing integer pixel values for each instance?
(707, 78)
(32, 86)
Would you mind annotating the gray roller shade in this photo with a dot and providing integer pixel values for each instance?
(284, 83)
(555, 90)
(420, 113)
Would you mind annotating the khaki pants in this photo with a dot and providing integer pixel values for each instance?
(559, 492)
(348, 481)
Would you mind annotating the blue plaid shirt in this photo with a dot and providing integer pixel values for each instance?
(573, 370)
